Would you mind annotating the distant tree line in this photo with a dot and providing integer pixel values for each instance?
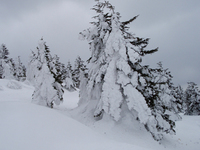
(10, 68)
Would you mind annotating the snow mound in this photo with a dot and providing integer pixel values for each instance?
(126, 130)
(26, 126)
(14, 85)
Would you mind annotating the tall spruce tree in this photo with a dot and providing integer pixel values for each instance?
(192, 99)
(178, 99)
(1, 69)
(3, 59)
(9, 69)
(20, 70)
(78, 67)
(116, 75)
(48, 90)
(7, 65)
(157, 88)
(32, 68)
(59, 70)
(69, 81)
(4, 52)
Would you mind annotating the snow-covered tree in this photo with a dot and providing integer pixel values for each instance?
(78, 67)
(8, 69)
(32, 68)
(192, 99)
(3, 59)
(69, 82)
(115, 73)
(7, 65)
(178, 99)
(59, 70)
(4, 52)
(83, 90)
(20, 70)
(1, 69)
(47, 90)
(157, 88)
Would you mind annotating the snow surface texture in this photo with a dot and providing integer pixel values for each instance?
(26, 126)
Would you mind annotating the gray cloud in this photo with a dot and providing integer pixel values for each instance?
(173, 26)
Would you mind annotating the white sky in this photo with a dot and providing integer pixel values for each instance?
(173, 26)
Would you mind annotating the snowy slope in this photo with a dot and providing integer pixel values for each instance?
(26, 126)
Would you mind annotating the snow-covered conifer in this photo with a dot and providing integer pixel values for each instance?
(78, 67)
(83, 90)
(157, 88)
(178, 99)
(1, 69)
(59, 69)
(1, 65)
(115, 73)
(20, 70)
(32, 68)
(3, 59)
(7, 65)
(192, 99)
(47, 90)
(4, 52)
(69, 82)
(8, 69)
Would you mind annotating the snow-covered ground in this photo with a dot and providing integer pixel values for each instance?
(26, 126)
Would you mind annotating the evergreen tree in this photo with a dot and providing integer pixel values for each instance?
(157, 88)
(8, 69)
(3, 59)
(59, 70)
(178, 98)
(7, 65)
(69, 82)
(192, 99)
(13, 68)
(32, 68)
(4, 52)
(20, 70)
(78, 67)
(47, 90)
(83, 90)
(116, 75)
(1, 64)
(1, 69)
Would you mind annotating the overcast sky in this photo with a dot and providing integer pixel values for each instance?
(172, 25)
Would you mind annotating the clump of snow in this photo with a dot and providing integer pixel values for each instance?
(111, 98)
(69, 84)
(136, 101)
(12, 84)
